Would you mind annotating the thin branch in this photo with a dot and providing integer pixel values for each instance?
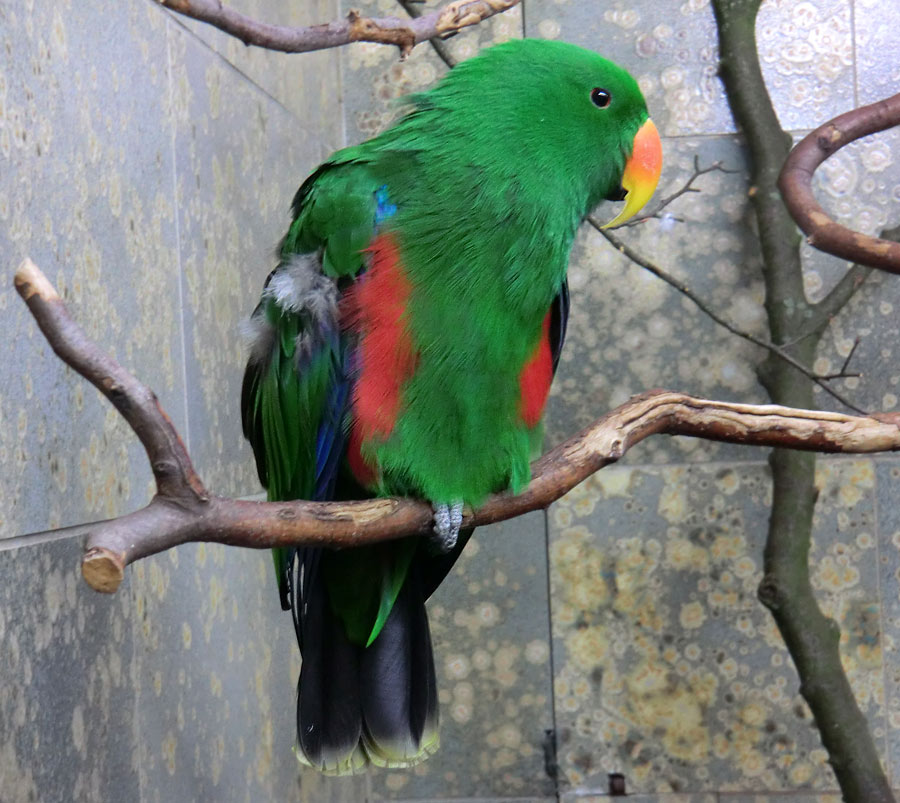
(822, 312)
(795, 183)
(404, 33)
(682, 288)
(685, 188)
(183, 511)
(846, 364)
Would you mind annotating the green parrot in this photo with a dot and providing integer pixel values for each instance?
(405, 345)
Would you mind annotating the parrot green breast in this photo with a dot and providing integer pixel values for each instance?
(469, 266)
(459, 428)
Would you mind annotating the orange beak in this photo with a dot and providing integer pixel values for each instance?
(641, 172)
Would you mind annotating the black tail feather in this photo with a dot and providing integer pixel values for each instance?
(399, 689)
(434, 568)
(363, 705)
(329, 725)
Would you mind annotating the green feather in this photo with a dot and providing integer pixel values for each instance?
(392, 580)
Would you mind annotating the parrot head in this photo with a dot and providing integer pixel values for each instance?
(569, 121)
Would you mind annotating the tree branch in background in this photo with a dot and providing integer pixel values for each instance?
(795, 184)
(405, 34)
(414, 9)
(183, 510)
(811, 638)
(684, 189)
(682, 288)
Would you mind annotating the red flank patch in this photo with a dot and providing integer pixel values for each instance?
(376, 309)
(535, 379)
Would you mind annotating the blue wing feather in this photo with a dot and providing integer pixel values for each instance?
(331, 439)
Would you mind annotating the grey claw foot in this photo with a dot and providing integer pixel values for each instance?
(447, 521)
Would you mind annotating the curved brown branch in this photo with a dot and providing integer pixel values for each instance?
(795, 183)
(172, 468)
(183, 511)
(404, 33)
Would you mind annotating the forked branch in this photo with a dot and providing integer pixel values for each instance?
(182, 510)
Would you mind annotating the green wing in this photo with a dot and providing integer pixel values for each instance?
(297, 389)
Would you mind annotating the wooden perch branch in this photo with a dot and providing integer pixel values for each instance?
(182, 510)
(404, 33)
(795, 183)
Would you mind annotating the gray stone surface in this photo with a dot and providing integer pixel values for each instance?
(888, 545)
(306, 84)
(806, 52)
(487, 800)
(667, 669)
(877, 52)
(86, 192)
(150, 178)
(68, 697)
(179, 687)
(216, 672)
(668, 798)
(774, 798)
(240, 157)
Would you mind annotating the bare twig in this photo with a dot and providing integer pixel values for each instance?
(404, 33)
(682, 288)
(822, 312)
(795, 183)
(183, 511)
(685, 188)
(843, 373)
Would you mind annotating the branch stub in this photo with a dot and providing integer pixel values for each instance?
(103, 569)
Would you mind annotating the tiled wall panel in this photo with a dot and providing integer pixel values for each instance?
(150, 178)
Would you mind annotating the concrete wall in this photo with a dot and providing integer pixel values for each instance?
(146, 164)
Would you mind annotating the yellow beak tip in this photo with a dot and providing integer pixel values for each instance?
(641, 173)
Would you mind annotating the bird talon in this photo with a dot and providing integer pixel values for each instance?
(447, 523)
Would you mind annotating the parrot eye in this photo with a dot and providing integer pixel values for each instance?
(600, 97)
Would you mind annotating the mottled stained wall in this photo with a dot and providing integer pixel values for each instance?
(146, 164)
